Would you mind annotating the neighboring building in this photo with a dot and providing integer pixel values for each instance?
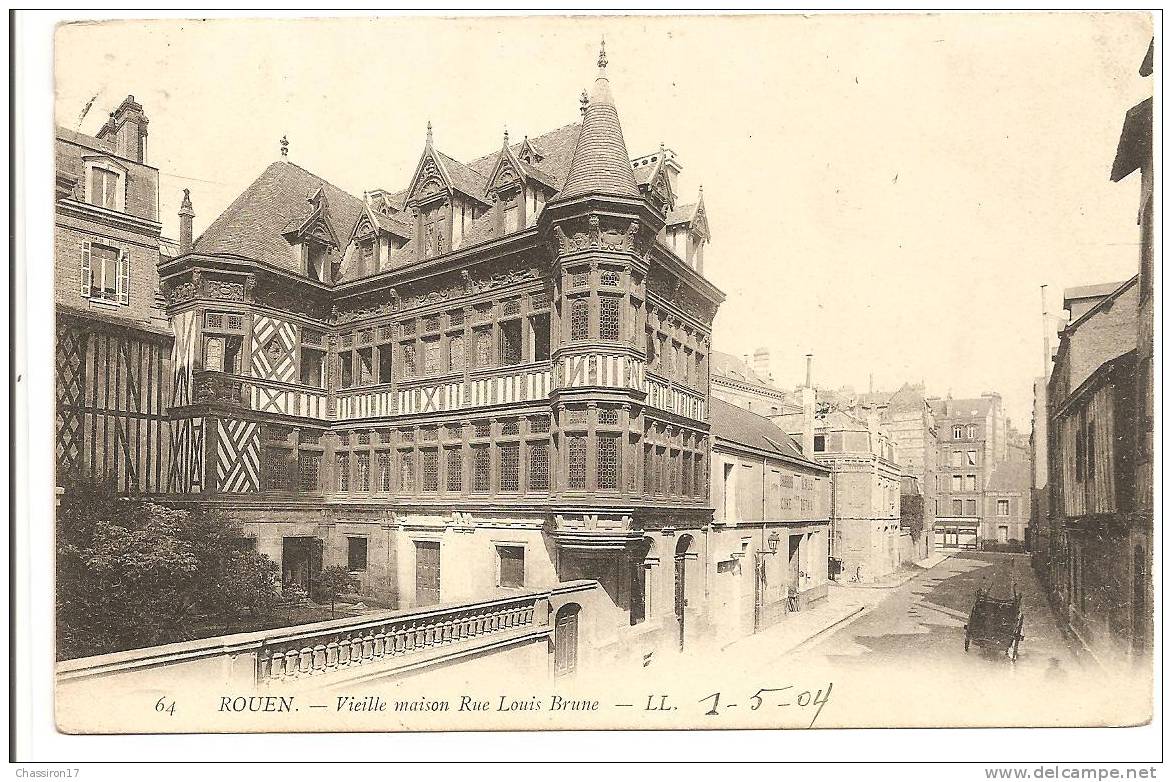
(748, 383)
(1038, 529)
(973, 439)
(1007, 503)
(910, 423)
(113, 347)
(1095, 527)
(497, 377)
(1100, 401)
(864, 493)
(770, 536)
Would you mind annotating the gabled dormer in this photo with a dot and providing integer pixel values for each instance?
(315, 242)
(686, 232)
(377, 236)
(445, 196)
(530, 154)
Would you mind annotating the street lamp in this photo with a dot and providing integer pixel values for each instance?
(774, 541)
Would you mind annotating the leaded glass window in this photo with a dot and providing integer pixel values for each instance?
(580, 319)
(609, 464)
(510, 467)
(539, 466)
(429, 468)
(576, 450)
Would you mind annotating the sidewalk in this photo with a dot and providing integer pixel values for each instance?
(796, 629)
(900, 577)
(843, 605)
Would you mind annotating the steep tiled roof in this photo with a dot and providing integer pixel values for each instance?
(1091, 291)
(737, 425)
(961, 408)
(463, 178)
(840, 421)
(908, 398)
(1135, 141)
(601, 165)
(251, 226)
(682, 214)
(556, 146)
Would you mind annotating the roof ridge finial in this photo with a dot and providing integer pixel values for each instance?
(602, 55)
(506, 135)
(284, 146)
(429, 137)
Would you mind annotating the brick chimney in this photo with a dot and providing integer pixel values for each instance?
(809, 398)
(761, 364)
(127, 129)
(186, 215)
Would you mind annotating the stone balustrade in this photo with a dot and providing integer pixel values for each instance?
(328, 650)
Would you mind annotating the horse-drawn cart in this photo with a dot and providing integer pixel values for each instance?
(995, 624)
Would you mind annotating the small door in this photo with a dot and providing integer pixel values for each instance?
(427, 572)
(795, 561)
(565, 640)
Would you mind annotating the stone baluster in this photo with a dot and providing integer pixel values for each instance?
(291, 658)
(344, 651)
(319, 658)
(368, 645)
(332, 655)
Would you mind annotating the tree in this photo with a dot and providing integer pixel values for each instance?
(333, 582)
(132, 573)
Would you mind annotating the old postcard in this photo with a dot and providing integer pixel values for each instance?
(604, 372)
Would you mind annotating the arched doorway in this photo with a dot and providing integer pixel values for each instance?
(643, 559)
(683, 549)
(565, 640)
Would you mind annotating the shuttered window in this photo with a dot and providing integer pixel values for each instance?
(105, 273)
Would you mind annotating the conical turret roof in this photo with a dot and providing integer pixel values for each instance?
(601, 165)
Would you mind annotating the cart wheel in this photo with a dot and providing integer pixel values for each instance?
(1017, 637)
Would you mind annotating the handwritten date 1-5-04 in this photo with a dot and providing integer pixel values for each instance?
(772, 698)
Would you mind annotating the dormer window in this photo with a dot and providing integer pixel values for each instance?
(105, 184)
(368, 255)
(315, 261)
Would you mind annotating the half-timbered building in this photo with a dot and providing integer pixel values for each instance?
(113, 346)
(493, 378)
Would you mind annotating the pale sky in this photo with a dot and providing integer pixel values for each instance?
(886, 191)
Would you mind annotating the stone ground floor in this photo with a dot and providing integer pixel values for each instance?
(666, 587)
(1099, 573)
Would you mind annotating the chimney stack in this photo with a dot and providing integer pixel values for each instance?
(761, 364)
(127, 130)
(809, 399)
(186, 214)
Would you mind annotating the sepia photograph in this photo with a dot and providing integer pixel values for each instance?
(659, 372)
